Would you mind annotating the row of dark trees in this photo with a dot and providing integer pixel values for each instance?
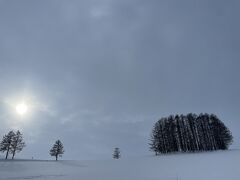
(190, 133)
(179, 133)
(12, 143)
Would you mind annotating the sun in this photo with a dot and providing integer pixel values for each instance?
(21, 109)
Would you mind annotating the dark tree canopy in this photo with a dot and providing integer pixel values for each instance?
(17, 144)
(57, 149)
(12, 143)
(7, 142)
(190, 133)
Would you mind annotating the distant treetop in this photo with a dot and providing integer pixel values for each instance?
(116, 153)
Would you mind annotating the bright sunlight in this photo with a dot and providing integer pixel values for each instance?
(22, 109)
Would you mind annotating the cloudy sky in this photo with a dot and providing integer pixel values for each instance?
(98, 74)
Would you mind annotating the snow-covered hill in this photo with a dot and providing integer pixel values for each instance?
(221, 165)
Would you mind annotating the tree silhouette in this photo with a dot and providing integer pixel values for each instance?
(57, 149)
(189, 133)
(17, 143)
(7, 143)
(116, 153)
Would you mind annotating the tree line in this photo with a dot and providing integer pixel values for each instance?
(179, 133)
(189, 133)
(13, 143)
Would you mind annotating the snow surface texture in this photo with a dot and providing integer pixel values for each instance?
(221, 165)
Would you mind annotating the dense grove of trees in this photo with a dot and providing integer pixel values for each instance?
(12, 143)
(189, 133)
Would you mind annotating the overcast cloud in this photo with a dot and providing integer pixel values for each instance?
(99, 74)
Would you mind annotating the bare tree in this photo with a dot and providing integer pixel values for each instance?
(116, 153)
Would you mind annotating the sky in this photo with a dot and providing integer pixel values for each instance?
(99, 74)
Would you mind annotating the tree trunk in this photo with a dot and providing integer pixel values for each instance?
(56, 157)
(7, 153)
(15, 147)
(13, 154)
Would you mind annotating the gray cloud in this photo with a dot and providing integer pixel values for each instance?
(105, 71)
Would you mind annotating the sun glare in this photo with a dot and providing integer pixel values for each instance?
(21, 108)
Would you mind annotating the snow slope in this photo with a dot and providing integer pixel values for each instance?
(221, 165)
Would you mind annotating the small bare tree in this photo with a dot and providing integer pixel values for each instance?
(116, 153)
